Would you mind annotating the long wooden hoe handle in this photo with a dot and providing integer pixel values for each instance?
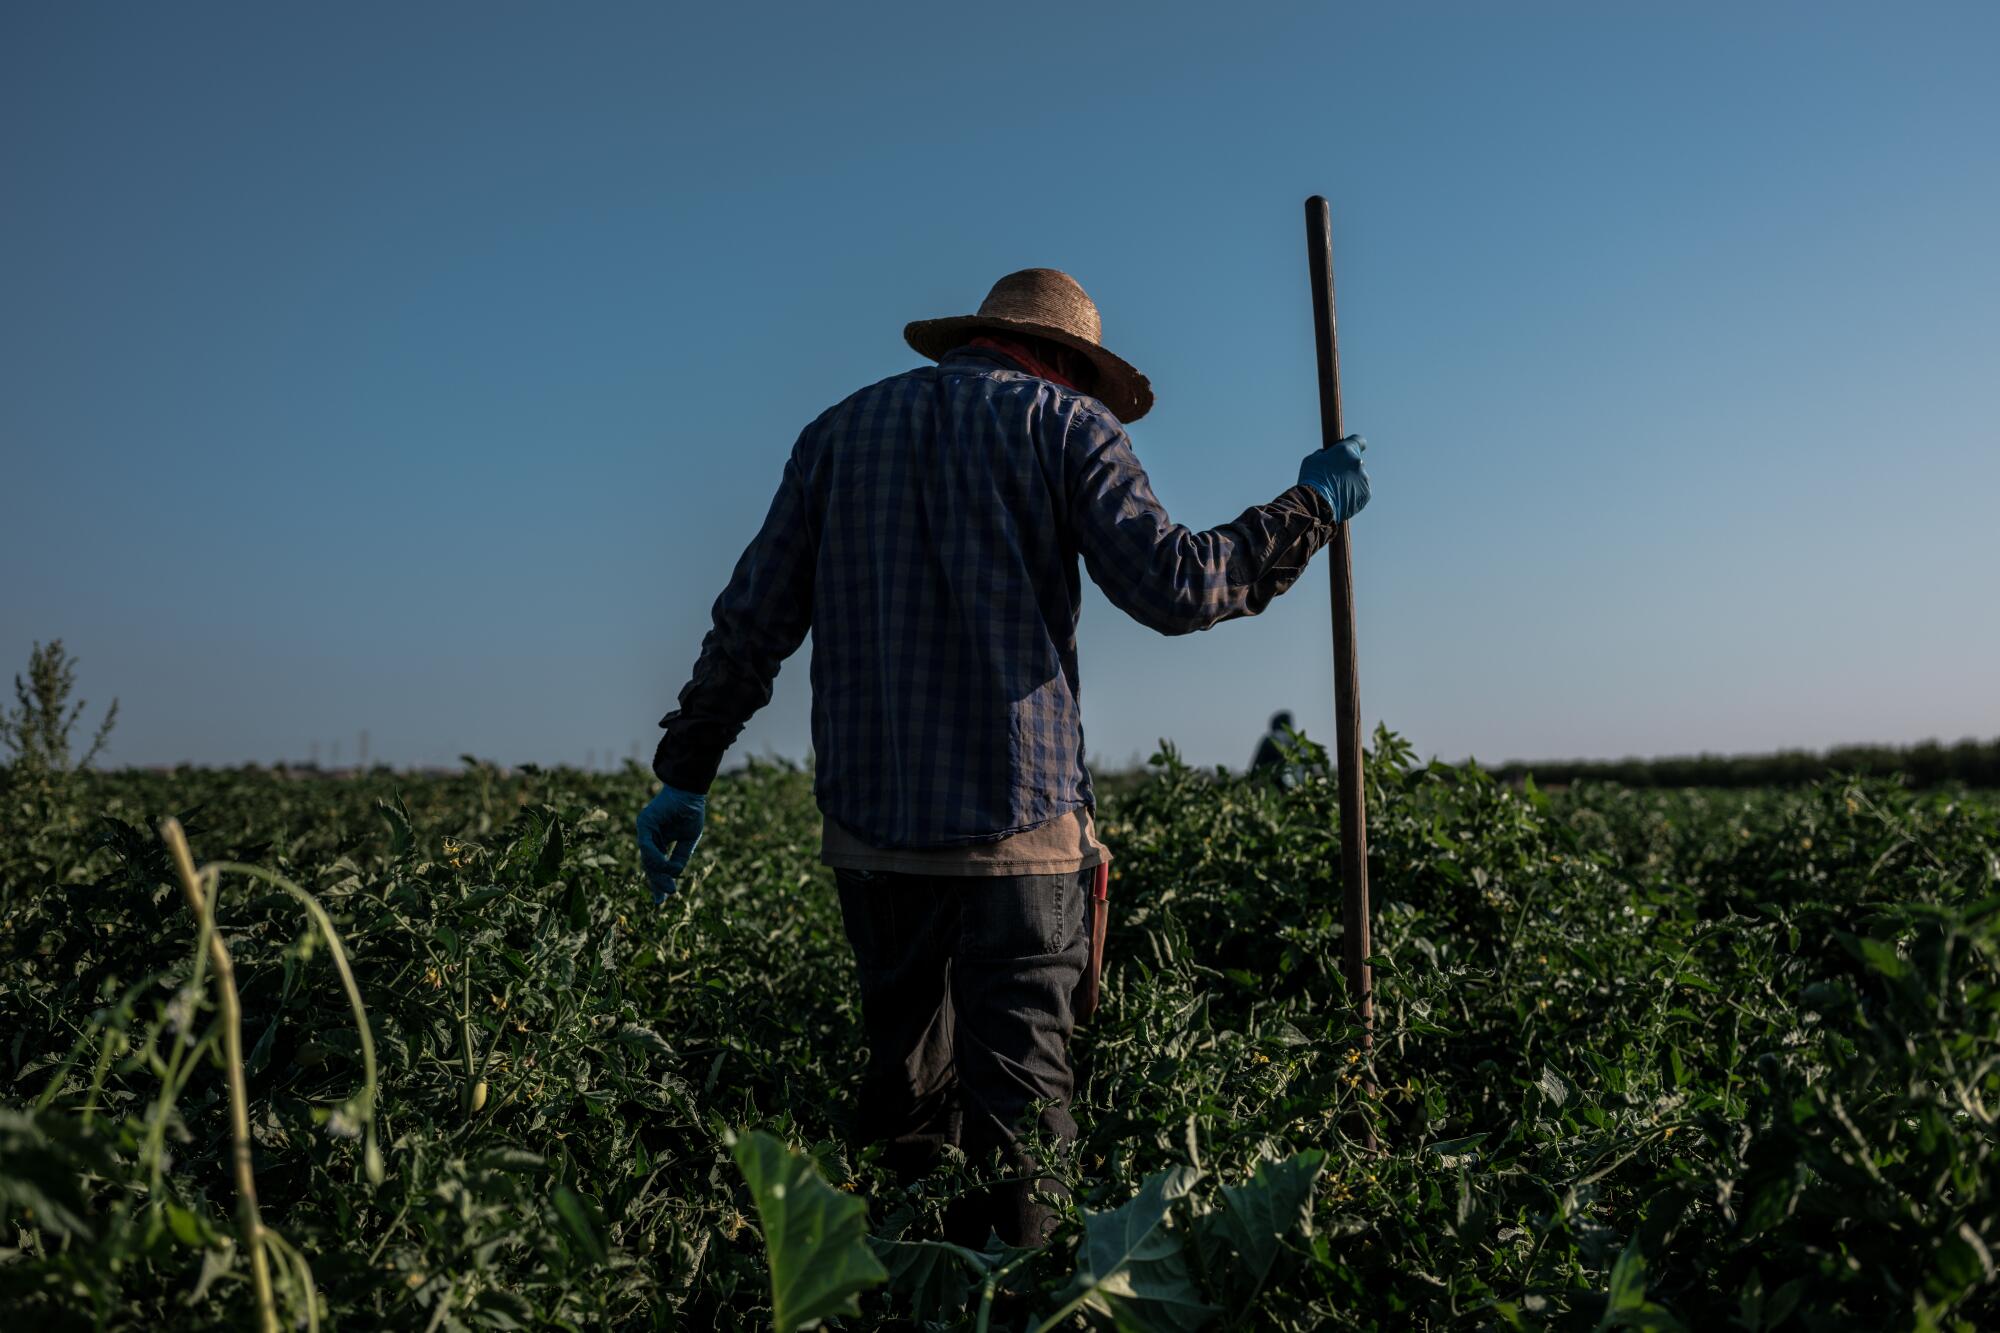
(1346, 679)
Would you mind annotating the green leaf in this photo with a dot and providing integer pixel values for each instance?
(1779, 1305)
(931, 1279)
(40, 1177)
(1447, 1150)
(643, 1038)
(581, 1221)
(511, 1159)
(1881, 955)
(260, 1054)
(548, 865)
(1962, 1262)
(1770, 1189)
(1626, 1306)
(1133, 1268)
(397, 817)
(503, 1310)
(1553, 1087)
(1258, 1214)
(188, 1229)
(814, 1235)
(215, 1262)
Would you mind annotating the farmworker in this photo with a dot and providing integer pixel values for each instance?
(1271, 750)
(927, 531)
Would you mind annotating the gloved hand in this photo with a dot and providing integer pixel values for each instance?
(669, 828)
(1337, 474)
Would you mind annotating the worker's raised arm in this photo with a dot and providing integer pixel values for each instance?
(1173, 579)
(760, 619)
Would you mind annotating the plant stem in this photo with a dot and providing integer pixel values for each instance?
(62, 1070)
(465, 1034)
(1047, 1324)
(239, 1093)
(371, 1156)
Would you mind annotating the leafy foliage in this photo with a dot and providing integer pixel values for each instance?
(1643, 1059)
(1968, 762)
(816, 1239)
(1258, 1215)
(36, 730)
(1133, 1268)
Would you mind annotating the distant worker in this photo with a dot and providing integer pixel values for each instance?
(1270, 751)
(927, 531)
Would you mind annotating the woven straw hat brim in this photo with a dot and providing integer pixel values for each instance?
(1119, 386)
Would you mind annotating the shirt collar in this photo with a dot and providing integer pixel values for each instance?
(967, 352)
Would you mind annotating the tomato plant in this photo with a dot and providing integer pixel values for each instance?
(1644, 1058)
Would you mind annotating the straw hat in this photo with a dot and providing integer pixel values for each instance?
(1045, 303)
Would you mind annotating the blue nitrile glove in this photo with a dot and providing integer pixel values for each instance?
(1337, 474)
(669, 827)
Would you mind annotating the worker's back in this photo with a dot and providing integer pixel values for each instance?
(944, 606)
(927, 530)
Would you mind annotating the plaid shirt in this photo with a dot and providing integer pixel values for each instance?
(927, 531)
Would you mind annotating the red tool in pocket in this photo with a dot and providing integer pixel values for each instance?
(1083, 1003)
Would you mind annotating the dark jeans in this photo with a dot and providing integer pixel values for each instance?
(965, 993)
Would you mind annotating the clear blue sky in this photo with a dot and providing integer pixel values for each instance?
(423, 368)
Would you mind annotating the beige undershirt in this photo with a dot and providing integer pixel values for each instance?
(1067, 842)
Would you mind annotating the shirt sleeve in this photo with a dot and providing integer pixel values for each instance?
(760, 619)
(1159, 572)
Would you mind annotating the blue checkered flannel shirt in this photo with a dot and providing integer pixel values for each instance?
(927, 531)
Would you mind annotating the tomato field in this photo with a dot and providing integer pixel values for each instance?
(1644, 1059)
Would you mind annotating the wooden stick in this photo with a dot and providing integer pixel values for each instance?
(1346, 678)
(250, 1220)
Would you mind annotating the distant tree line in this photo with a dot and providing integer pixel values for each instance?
(1970, 763)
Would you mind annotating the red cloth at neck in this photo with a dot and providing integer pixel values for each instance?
(1031, 363)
